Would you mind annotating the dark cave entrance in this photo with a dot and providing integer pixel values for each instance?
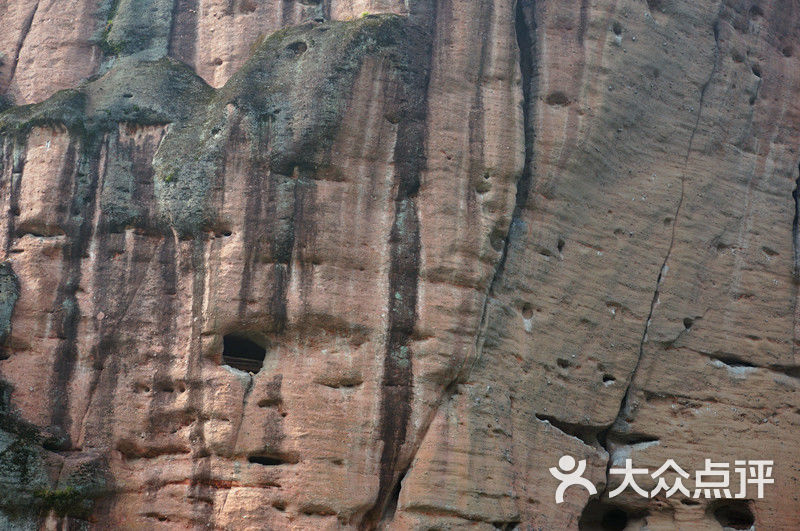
(604, 516)
(733, 514)
(242, 353)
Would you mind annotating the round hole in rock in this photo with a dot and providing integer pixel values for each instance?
(617, 28)
(733, 514)
(242, 353)
(297, 47)
(527, 311)
(688, 322)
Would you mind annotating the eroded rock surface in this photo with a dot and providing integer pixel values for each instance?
(379, 264)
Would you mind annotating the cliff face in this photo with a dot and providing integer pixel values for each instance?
(379, 263)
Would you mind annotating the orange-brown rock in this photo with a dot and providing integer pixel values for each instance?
(326, 264)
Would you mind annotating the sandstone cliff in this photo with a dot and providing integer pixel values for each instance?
(323, 264)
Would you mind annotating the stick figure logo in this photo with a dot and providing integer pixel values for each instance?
(570, 473)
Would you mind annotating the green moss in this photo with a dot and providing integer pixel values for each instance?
(66, 501)
(5, 102)
(290, 96)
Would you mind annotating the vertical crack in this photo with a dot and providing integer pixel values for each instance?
(26, 28)
(625, 408)
(393, 424)
(182, 39)
(525, 30)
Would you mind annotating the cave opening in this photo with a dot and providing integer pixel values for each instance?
(603, 516)
(734, 514)
(242, 353)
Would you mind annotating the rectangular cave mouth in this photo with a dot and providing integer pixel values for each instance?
(265, 460)
(242, 353)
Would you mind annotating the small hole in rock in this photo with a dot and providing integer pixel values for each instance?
(769, 252)
(787, 51)
(557, 98)
(297, 47)
(127, 95)
(265, 460)
(607, 378)
(667, 220)
(242, 353)
(617, 28)
(734, 515)
(687, 323)
(560, 245)
(756, 70)
(561, 362)
(280, 506)
(690, 502)
(497, 239)
(756, 11)
(527, 311)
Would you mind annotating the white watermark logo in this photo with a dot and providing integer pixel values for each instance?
(572, 475)
(714, 481)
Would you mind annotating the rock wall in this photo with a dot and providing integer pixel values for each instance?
(326, 264)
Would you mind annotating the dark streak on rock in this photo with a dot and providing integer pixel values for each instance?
(79, 176)
(183, 32)
(525, 28)
(16, 160)
(287, 10)
(476, 169)
(9, 293)
(795, 260)
(404, 241)
(584, 21)
(201, 493)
